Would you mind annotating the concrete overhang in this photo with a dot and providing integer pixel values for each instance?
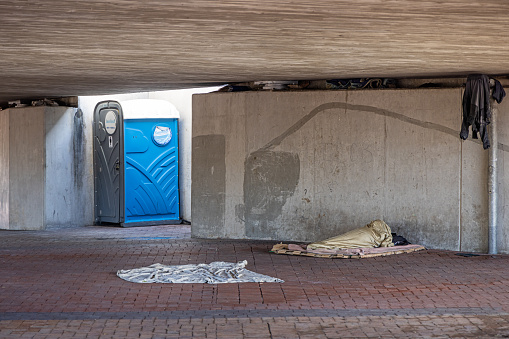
(53, 48)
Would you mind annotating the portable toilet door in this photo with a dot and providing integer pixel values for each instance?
(108, 157)
(151, 177)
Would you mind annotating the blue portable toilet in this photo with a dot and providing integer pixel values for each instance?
(147, 188)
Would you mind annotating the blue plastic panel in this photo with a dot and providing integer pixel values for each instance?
(151, 170)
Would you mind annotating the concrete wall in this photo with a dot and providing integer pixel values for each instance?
(305, 166)
(66, 202)
(38, 160)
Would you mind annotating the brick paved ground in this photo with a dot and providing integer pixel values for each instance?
(61, 283)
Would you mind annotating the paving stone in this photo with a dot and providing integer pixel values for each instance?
(61, 283)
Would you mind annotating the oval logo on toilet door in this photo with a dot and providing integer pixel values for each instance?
(110, 122)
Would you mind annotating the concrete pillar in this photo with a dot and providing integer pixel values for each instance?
(493, 181)
(41, 168)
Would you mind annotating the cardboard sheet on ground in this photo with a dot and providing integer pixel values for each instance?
(372, 240)
(218, 272)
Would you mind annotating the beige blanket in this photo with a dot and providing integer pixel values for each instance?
(375, 234)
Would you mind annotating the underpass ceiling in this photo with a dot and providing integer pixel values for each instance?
(57, 48)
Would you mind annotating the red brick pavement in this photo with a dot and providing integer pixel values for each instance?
(61, 283)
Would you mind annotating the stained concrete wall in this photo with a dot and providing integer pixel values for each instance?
(42, 168)
(305, 166)
(66, 202)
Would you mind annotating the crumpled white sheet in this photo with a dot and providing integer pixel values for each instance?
(218, 272)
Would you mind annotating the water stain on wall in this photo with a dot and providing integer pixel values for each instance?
(270, 177)
(78, 146)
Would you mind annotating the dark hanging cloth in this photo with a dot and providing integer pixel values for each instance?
(476, 108)
(498, 92)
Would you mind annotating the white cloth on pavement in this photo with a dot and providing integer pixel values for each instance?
(218, 272)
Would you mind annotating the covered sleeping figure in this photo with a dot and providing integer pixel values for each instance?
(375, 234)
(373, 240)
